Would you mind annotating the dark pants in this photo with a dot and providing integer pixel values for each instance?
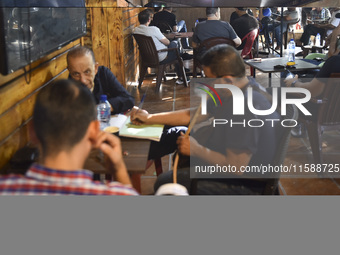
(167, 144)
(310, 30)
(213, 186)
(276, 29)
(172, 55)
(181, 27)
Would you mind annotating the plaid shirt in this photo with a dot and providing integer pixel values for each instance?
(40, 180)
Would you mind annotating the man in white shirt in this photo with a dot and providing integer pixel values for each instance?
(322, 29)
(161, 42)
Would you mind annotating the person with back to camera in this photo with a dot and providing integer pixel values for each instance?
(237, 146)
(213, 27)
(66, 127)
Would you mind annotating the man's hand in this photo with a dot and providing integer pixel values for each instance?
(110, 145)
(184, 143)
(289, 82)
(138, 116)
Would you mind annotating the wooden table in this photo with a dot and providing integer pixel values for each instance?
(175, 35)
(135, 153)
(267, 65)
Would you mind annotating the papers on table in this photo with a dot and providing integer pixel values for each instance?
(127, 129)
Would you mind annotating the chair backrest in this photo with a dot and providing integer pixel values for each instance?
(329, 113)
(163, 26)
(147, 50)
(213, 41)
(281, 151)
(249, 38)
(316, 55)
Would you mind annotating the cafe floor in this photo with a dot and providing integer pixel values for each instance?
(175, 97)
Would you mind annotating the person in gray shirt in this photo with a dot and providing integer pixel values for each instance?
(213, 27)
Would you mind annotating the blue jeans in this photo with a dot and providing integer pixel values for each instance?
(276, 29)
(172, 56)
(181, 27)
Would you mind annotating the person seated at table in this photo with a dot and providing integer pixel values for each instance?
(223, 145)
(243, 25)
(83, 67)
(322, 29)
(318, 14)
(236, 14)
(332, 65)
(317, 85)
(270, 25)
(166, 16)
(161, 42)
(66, 127)
(213, 27)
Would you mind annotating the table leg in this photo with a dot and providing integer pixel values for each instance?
(136, 181)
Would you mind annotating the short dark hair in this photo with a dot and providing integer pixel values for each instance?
(144, 16)
(241, 8)
(211, 10)
(224, 60)
(79, 52)
(62, 114)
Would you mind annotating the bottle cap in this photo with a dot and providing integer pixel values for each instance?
(103, 97)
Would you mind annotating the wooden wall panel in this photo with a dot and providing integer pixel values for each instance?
(99, 27)
(110, 37)
(17, 99)
(130, 17)
(116, 43)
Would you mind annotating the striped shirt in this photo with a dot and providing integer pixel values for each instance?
(40, 180)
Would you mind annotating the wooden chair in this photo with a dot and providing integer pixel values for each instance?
(206, 45)
(248, 47)
(149, 58)
(271, 184)
(328, 116)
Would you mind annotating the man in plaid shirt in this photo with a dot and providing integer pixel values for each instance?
(65, 124)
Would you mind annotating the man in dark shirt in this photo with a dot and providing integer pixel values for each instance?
(100, 80)
(166, 16)
(243, 25)
(236, 14)
(225, 145)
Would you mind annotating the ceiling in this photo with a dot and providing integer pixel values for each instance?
(239, 3)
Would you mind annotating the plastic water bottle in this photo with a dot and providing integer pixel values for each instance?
(323, 14)
(291, 53)
(317, 40)
(104, 112)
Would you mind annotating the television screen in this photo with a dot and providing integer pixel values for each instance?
(29, 33)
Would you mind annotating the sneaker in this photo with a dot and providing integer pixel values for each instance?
(187, 56)
(298, 131)
(180, 81)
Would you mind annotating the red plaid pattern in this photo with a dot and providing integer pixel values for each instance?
(40, 180)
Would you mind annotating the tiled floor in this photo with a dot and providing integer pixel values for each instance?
(174, 97)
